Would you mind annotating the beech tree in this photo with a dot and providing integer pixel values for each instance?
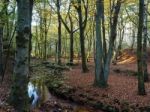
(103, 62)
(70, 29)
(145, 36)
(99, 77)
(141, 86)
(58, 2)
(3, 13)
(82, 26)
(18, 95)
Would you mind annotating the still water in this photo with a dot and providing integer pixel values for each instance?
(39, 94)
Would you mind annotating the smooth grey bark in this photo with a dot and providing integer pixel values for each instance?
(45, 34)
(71, 32)
(59, 31)
(113, 33)
(102, 62)
(56, 49)
(2, 24)
(121, 37)
(145, 34)
(133, 38)
(41, 37)
(46, 25)
(141, 86)
(18, 96)
(1, 49)
(71, 49)
(82, 26)
(99, 76)
(30, 39)
(103, 28)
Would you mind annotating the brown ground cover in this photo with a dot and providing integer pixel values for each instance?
(122, 86)
(121, 92)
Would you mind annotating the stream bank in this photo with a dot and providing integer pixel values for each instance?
(81, 96)
(49, 78)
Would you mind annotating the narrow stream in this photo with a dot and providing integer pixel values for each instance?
(43, 99)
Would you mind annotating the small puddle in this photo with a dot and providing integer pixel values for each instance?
(42, 98)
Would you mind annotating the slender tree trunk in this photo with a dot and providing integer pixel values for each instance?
(141, 86)
(99, 76)
(45, 40)
(41, 38)
(1, 49)
(145, 34)
(30, 39)
(56, 49)
(59, 31)
(82, 44)
(71, 48)
(113, 34)
(45, 33)
(19, 95)
(3, 14)
(7, 24)
(37, 49)
(121, 37)
(133, 39)
(103, 28)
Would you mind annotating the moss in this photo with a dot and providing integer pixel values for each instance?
(98, 105)
(144, 109)
(125, 106)
(19, 96)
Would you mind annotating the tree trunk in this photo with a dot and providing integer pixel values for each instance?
(30, 39)
(82, 44)
(103, 28)
(1, 49)
(145, 34)
(56, 49)
(45, 33)
(71, 48)
(113, 34)
(121, 37)
(141, 86)
(19, 95)
(99, 76)
(45, 41)
(59, 31)
(133, 39)
(3, 13)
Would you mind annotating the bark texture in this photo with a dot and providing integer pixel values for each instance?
(81, 29)
(18, 95)
(141, 86)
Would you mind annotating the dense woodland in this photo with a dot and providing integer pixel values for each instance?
(94, 53)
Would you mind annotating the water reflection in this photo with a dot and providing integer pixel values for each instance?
(39, 94)
(33, 94)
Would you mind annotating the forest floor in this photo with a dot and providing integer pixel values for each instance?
(121, 92)
(50, 104)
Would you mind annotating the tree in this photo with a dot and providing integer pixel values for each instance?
(71, 31)
(2, 24)
(30, 39)
(82, 26)
(18, 95)
(141, 86)
(113, 34)
(145, 36)
(99, 76)
(59, 31)
(102, 61)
